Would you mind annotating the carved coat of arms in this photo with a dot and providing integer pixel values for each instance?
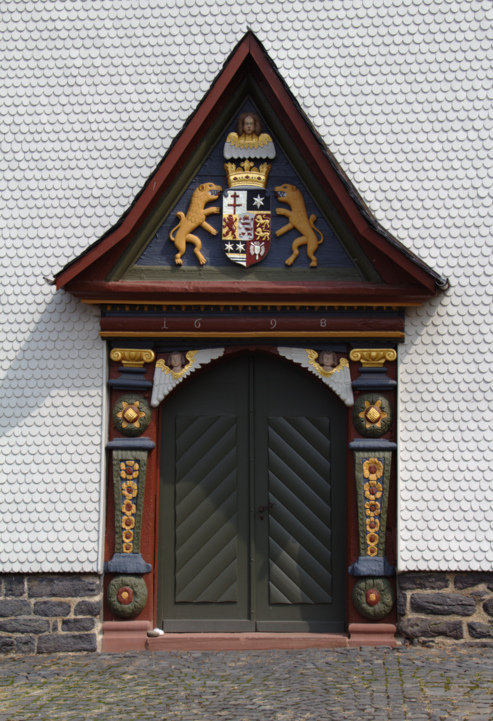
(246, 205)
(246, 224)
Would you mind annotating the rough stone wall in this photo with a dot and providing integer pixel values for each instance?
(457, 607)
(400, 90)
(49, 613)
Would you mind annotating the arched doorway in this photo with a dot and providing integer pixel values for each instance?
(252, 502)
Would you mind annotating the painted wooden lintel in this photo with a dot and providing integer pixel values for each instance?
(252, 334)
(265, 304)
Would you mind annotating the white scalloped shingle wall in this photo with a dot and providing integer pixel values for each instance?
(51, 377)
(92, 93)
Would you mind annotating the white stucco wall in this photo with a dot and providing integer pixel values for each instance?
(92, 94)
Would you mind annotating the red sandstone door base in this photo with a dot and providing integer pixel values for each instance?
(120, 636)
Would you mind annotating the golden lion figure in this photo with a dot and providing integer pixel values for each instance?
(196, 215)
(298, 219)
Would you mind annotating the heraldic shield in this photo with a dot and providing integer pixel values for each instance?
(246, 224)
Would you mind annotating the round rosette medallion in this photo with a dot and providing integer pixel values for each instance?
(131, 414)
(373, 597)
(127, 595)
(372, 415)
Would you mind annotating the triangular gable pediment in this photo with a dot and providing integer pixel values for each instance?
(356, 259)
(339, 256)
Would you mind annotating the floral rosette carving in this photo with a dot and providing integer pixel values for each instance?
(129, 470)
(372, 415)
(131, 415)
(372, 468)
(372, 509)
(127, 595)
(373, 598)
(373, 490)
(372, 483)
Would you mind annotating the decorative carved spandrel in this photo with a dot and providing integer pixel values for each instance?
(337, 378)
(180, 365)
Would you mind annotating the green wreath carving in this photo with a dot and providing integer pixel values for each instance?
(131, 414)
(372, 415)
(127, 595)
(373, 598)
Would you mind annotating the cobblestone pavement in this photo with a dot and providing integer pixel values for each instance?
(408, 683)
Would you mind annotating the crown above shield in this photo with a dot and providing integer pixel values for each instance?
(247, 174)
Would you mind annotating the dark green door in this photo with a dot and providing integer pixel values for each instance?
(252, 531)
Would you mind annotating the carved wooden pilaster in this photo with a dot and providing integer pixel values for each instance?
(129, 478)
(372, 465)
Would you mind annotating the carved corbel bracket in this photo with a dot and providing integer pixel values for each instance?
(373, 357)
(373, 374)
(132, 357)
(132, 369)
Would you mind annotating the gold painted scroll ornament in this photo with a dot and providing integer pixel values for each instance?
(373, 357)
(132, 357)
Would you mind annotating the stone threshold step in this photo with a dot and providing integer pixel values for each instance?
(121, 636)
(245, 641)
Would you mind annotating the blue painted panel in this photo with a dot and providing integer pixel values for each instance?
(161, 250)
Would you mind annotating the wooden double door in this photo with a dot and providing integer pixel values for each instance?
(252, 502)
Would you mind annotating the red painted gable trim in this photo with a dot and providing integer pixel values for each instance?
(394, 267)
(249, 292)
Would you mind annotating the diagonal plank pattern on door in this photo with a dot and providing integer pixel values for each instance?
(299, 522)
(206, 509)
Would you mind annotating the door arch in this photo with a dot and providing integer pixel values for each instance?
(252, 501)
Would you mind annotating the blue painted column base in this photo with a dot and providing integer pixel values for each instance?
(127, 563)
(371, 566)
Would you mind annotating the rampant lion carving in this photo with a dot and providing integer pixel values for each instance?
(298, 219)
(196, 215)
